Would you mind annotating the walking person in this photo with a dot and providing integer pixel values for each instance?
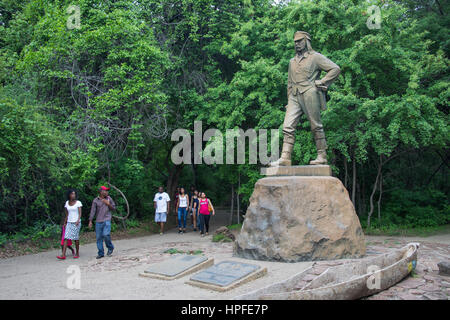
(191, 194)
(205, 210)
(72, 224)
(161, 202)
(193, 208)
(177, 194)
(63, 234)
(102, 207)
(199, 216)
(182, 206)
(69, 242)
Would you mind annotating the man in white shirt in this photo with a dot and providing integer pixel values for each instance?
(161, 203)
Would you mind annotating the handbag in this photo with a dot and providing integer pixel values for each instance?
(210, 209)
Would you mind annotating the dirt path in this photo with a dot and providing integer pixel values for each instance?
(42, 276)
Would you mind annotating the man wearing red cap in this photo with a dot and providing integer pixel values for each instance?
(102, 207)
(306, 95)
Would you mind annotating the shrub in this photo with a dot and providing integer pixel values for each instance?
(132, 223)
(412, 209)
(3, 239)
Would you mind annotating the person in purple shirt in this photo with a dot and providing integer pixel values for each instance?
(102, 207)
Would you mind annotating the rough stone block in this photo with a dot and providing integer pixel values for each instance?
(294, 219)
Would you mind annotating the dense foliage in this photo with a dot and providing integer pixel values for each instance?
(83, 107)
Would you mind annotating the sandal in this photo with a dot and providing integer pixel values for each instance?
(61, 258)
(76, 257)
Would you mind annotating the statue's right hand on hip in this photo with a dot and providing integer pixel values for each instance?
(320, 85)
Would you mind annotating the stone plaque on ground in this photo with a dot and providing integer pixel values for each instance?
(317, 170)
(226, 275)
(177, 266)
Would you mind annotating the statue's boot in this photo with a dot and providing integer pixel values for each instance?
(285, 159)
(321, 158)
(321, 145)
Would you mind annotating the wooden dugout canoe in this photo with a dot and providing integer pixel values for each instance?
(348, 281)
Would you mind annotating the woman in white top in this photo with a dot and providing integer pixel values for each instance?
(182, 205)
(73, 223)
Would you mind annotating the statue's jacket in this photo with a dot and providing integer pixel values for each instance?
(304, 70)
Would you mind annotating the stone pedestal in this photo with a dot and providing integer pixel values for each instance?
(300, 218)
(319, 170)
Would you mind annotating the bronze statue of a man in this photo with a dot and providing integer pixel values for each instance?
(306, 95)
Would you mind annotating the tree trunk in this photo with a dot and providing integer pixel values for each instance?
(441, 10)
(375, 185)
(232, 204)
(126, 202)
(358, 206)
(26, 211)
(354, 181)
(345, 172)
(379, 198)
(363, 192)
(172, 183)
(194, 175)
(239, 189)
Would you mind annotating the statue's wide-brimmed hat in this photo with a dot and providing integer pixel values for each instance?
(301, 35)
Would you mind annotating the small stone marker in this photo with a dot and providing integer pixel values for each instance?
(226, 275)
(316, 170)
(177, 266)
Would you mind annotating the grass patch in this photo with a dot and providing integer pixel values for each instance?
(237, 226)
(221, 238)
(173, 251)
(178, 251)
(195, 252)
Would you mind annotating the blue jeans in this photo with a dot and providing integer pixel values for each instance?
(182, 215)
(103, 232)
(200, 221)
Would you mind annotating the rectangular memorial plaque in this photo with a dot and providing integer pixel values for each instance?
(177, 266)
(226, 275)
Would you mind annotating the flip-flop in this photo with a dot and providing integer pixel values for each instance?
(76, 257)
(61, 258)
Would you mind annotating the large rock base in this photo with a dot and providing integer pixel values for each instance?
(299, 218)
